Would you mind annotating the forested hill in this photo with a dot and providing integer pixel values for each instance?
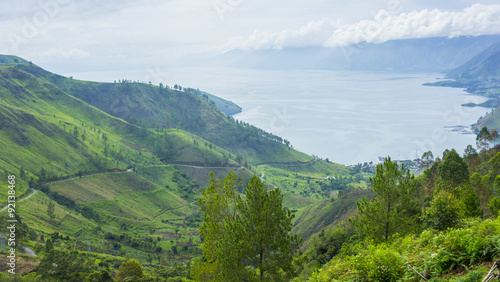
(161, 107)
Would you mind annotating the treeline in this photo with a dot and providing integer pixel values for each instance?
(397, 228)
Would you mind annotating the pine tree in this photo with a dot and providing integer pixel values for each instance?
(471, 204)
(245, 238)
(393, 210)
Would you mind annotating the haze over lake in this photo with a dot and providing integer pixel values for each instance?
(347, 117)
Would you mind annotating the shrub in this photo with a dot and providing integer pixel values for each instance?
(443, 213)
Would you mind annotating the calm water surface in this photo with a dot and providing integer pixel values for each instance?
(347, 117)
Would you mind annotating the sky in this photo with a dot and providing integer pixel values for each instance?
(102, 35)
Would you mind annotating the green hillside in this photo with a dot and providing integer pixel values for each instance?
(116, 169)
(160, 107)
(314, 218)
(41, 123)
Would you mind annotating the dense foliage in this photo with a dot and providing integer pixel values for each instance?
(445, 233)
(245, 239)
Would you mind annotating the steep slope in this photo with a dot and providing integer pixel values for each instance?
(42, 126)
(317, 216)
(161, 107)
(96, 169)
(484, 66)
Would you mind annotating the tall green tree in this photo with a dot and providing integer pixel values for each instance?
(494, 136)
(453, 169)
(245, 238)
(393, 210)
(471, 206)
(482, 139)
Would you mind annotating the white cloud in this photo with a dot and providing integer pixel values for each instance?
(65, 53)
(314, 33)
(477, 19)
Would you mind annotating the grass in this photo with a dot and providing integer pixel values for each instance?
(311, 180)
(315, 217)
(171, 148)
(121, 195)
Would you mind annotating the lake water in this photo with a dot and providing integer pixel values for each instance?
(347, 117)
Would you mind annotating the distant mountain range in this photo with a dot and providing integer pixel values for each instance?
(480, 75)
(408, 55)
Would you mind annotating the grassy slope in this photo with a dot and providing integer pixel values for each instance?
(36, 130)
(155, 107)
(315, 217)
(123, 196)
(302, 179)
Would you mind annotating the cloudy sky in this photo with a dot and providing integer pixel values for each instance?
(106, 34)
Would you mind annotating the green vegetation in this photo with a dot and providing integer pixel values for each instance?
(438, 225)
(245, 239)
(150, 106)
(106, 186)
(108, 176)
(393, 210)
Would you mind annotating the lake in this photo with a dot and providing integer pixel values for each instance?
(347, 117)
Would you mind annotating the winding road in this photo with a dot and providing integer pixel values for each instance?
(34, 191)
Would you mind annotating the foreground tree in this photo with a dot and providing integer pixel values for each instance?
(393, 211)
(245, 239)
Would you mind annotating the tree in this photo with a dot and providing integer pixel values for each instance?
(482, 139)
(470, 152)
(130, 270)
(48, 246)
(22, 173)
(100, 276)
(50, 211)
(245, 238)
(63, 265)
(471, 204)
(443, 213)
(494, 206)
(453, 169)
(75, 132)
(393, 211)
(494, 136)
(427, 159)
